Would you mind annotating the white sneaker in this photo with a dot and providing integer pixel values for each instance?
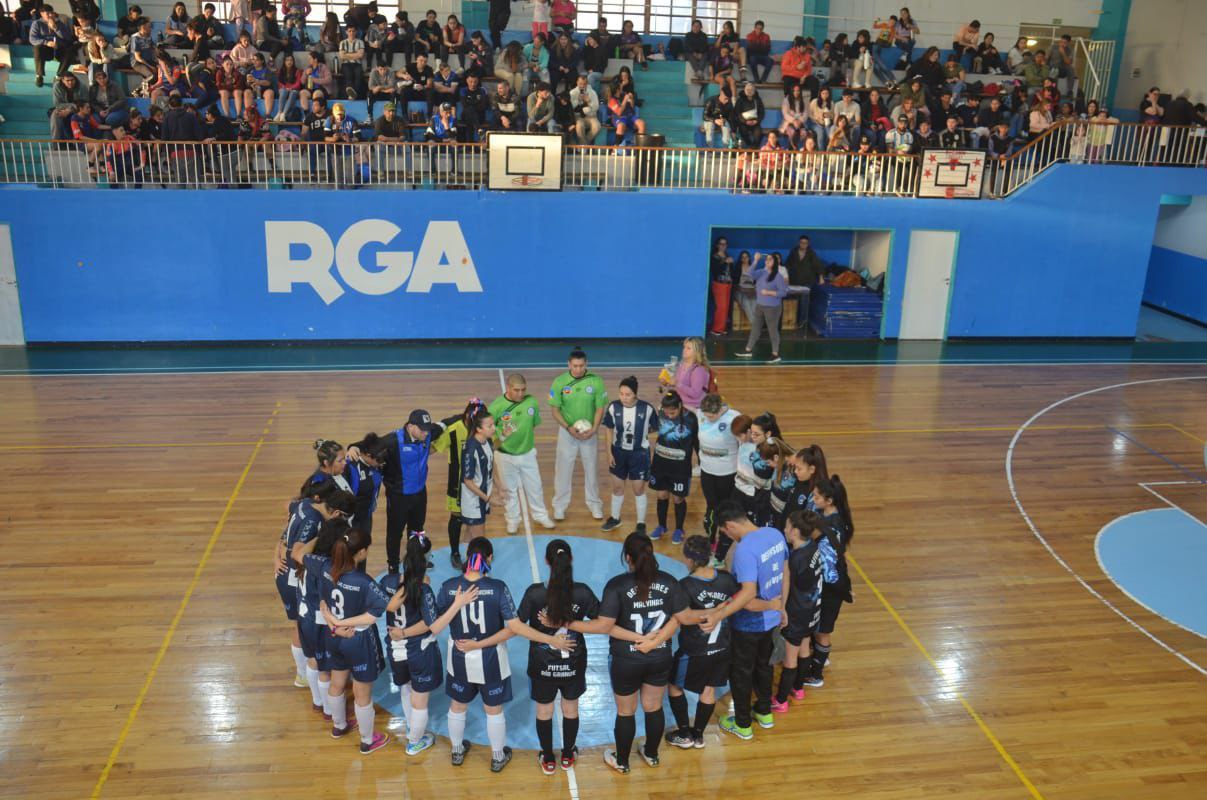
(546, 523)
(559, 515)
(512, 527)
(597, 513)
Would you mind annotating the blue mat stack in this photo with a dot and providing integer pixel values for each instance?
(845, 312)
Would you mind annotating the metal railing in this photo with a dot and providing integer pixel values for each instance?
(1097, 57)
(1082, 142)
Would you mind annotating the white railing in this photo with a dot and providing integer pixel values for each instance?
(1097, 57)
(1099, 143)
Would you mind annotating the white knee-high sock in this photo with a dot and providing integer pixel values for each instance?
(456, 729)
(312, 678)
(364, 718)
(324, 690)
(418, 724)
(299, 660)
(643, 502)
(496, 731)
(407, 711)
(337, 707)
(617, 503)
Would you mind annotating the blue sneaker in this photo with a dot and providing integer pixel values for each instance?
(677, 536)
(415, 748)
(656, 534)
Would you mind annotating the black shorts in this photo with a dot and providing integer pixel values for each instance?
(678, 485)
(544, 690)
(629, 675)
(831, 604)
(631, 465)
(696, 673)
(799, 629)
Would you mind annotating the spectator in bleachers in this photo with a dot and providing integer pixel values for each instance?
(1040, 118)
(718, 115)
(209, 27)
(796, 65)
(339, 128)
(987, 120)
(623, 84)
(109, 99)
(198, 44)
(953, 136)
(176, 28)
(875, 112)
(563, 13)
(848, 106)
(925, 136)
(219, 132)
(841, 53)
(383, 86)
(389, 127)
(748, 113)
(967, 39)
(52, 40)
(1035, 71)
(906, 108)
(630, 44)
(838, 137)
(1060, 57)
(252, 126)
(475, 103)
(85, 11)
(87, 127)
(953, 77)
(758, 52)
(506, 104)
(729, 36)
(180, 124)
(861, 60)
(913, 89)
(900, 140)
(446, 84)
(511, 65)
(563, 63)
(124, 159)
(905, 35)
(565, 119)
(1100, 136)
(429, 36)
(360, 17)
(1065, 113)
(585, 102)
(1001, 144)
(417, 82)
(129, 24)
(170, 78)
(794, 114)
(499, 14)
(1017, 57)
(722, 69)
(443, 125)
(66, 90)
(479, 58)
(239, 14)
(696, 49)
(204, 89)
(151, 128)
(289, 83)
(243, 52)
(625, 116)
(929, 70)
(940, 111)
(10, 29)
(595, 60)
(232, 87)
(268, 36)
(540, 17)
(540, 109)
(102, 56)
(82, 29)
(536, 54)
(403, 36)
(453, 41)
(329, 37)
(351, 63)
(821, 116)
(60, 122)
(377, 44)
(261, 83)
(295, 13)
(773, 162)
(606, 40)
(316, 80)
(314, 124)
(988, 60)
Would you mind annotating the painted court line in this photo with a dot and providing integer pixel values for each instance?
(1198, 478)
(980, 722)
(1148, 487)
(184, 603)
(1052, 551)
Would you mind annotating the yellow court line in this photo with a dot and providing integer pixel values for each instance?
(127, 445)
(997, 744)
(184, 602)
(1185, 432)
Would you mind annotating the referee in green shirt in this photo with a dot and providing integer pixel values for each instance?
(577, 395)
(516, 416)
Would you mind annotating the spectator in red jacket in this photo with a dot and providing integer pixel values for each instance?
(758, 53)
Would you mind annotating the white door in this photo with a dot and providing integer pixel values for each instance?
(11, 331)
(928, 272)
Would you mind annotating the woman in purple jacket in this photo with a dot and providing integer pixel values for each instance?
(770, 288)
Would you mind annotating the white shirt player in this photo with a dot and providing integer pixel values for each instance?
(718, 445)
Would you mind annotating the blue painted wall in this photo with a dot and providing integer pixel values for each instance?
(1065, 258)
(1177, 282)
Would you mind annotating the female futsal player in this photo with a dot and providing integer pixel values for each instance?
(452, 441)
(718, 464)
(830, 497)
(312, 628)
(671, 466)
(803, 577)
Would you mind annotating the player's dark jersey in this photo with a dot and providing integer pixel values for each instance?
(543, 661)
(364, 482)
(412, 611)
(309, 587)
(479, 620)
(631, 429)
(806, 568)
(782, 491)
(837, 581)
(303, 525)
(705, 593)
(620, 602)
(355, 593)
(677, 438)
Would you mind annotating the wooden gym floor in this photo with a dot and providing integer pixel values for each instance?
(145, 649)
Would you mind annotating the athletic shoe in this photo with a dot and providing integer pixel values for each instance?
(497, 764)
(299, 682)
(698, 741)
(597, 513)
(569, 760)
(677, 536)
(610, 760)
(415, 748)
(640, 529)
(512, 527)
(559, 515)
(744, 354)
(455, 559)
(814, 682)
(764, 720)
(681, 739)
(775, 359)
(459, 758)
(779, 708)
(548, 767)
(798, 695)
(546, 523)
(657, 532)
(38, 81)
(337, 733)
(650, 760)
(610, 524)
(696, 471)
(730, 725)
(380, 740)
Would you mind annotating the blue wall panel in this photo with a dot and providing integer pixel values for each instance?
(1065, 258)
(1177, 282)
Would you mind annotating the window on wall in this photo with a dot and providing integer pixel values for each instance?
(658, 16)
(319, 9)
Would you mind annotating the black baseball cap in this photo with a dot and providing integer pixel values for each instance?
(421, 419)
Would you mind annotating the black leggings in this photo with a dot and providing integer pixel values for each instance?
(717, 489)
(404, 513)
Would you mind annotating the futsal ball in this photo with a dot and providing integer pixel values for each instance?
(582, 426)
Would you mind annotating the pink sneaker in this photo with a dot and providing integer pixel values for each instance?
(380, 740)
(778, 707)
(798, 694)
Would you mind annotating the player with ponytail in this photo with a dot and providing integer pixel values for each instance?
(830, 498)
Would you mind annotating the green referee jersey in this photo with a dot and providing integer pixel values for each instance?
(515, 423)
(578, 398)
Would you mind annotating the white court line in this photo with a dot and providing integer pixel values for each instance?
(1052, 552)
(536, 578)
(1148, 488)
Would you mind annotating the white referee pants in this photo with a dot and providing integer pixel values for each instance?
(520, 473)
(569, 450)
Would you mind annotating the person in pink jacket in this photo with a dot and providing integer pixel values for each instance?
(692, 374)
(563, 12)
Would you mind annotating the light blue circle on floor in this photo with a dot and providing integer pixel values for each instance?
(596, 561)
(1159, 559)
